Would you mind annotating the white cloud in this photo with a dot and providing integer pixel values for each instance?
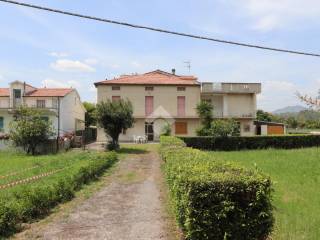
(273, 14)
(65, 65)
(91, 61)
(52, 83)
(59, 54)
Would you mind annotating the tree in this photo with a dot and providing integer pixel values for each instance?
(264, 116)
(292, 122)
(115, 117)
(205, 113)
(30, 129)
(91, 114)
(166, 130)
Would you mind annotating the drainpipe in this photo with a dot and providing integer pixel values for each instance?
(58, 136)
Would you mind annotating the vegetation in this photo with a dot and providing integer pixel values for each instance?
(295, 174)
(257, 142)
(210, 127)
(306, 119)
(55, 179)
(91, 114)
(30, 129)
(215, 200)
(166, 130)
(205, 112)
(115, 117)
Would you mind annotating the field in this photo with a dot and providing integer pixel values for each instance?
(31, 185)
(296, 178)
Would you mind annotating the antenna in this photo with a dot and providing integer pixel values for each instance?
(188, 65)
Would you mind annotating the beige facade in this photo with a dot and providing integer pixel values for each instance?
(229, 100)
(63, 107)
(165, 108)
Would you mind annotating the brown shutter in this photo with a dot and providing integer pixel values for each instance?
(181, 128)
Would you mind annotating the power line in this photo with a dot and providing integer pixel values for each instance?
(160, 30)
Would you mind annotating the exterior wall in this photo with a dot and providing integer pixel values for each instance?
(247, 127)
(71, 113)
(241, 105)
(165, 99)
(7, 118)
(139, 129)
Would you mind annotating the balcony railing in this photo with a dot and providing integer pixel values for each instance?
(231, 87)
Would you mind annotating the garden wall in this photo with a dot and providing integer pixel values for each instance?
(250, 143)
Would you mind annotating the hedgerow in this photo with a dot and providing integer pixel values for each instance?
(250, 143)
(214, 200)
(27, 202)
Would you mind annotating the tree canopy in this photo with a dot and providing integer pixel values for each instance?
(91, 114)
(30, 129)
(115, 117)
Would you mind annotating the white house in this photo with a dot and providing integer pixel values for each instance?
(62, 106)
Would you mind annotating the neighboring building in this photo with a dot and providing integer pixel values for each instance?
(269, 128)
(160, 97)
(61, 105)
(234, 100)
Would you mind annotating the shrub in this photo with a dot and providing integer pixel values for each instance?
(214, 200)
(250, 143)
(35, 200)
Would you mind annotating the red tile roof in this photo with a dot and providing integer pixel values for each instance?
(41, 92)
(157, 77)
(50, 92)
(4, 92)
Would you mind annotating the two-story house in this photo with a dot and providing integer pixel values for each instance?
(62, 106)
(161, 98)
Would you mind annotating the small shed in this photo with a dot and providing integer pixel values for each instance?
(269, 128)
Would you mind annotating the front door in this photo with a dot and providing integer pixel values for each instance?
(149, 131)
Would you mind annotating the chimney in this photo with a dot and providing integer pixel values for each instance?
(173, 71)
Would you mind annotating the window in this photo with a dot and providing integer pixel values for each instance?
(181, 106)
(115, 98)
(124, 131)
(1, 124)
(149, 88)
(181, 128)
(246, 128)
(115, 88)
(148, 105)
(17, 93)
(41, 103)
(181, 89)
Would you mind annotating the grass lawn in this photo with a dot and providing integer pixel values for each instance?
(296, 180)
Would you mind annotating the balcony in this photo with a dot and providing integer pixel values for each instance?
(231, 88)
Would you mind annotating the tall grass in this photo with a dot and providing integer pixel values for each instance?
(296, 178)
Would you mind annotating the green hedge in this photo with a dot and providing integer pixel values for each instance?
(214, 200)
(256, 142)
(34, 200)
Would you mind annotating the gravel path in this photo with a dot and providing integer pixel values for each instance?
(130, 207)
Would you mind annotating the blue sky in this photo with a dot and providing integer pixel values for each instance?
(52, 50)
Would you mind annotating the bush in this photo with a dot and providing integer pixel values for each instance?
(250, 143)
(35, 200)
(214, 200)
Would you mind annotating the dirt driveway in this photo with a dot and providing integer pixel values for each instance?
(130, 206)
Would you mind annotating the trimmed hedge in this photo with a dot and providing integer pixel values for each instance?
(250, 143)
(36, 199)
(214, 200)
